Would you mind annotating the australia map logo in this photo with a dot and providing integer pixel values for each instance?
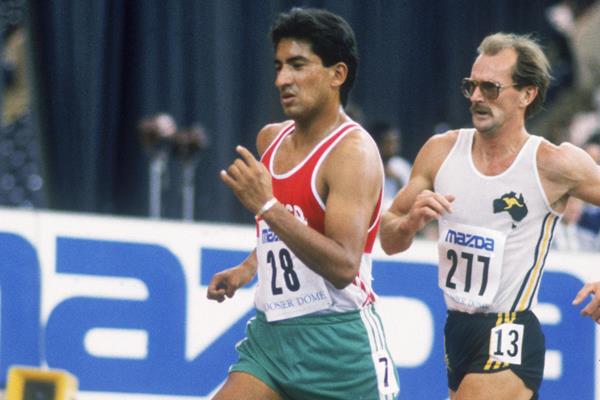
(513, 205)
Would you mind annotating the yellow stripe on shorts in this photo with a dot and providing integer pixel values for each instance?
(491, 364)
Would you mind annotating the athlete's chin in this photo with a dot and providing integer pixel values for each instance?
(484, 127)
(292, 112)
(289, 110)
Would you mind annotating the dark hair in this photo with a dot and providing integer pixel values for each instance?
(329, 35)
(532, 66)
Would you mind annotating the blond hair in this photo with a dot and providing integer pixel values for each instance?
(532, 67)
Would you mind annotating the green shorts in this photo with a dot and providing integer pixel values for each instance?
(468, 348)
(335, 356)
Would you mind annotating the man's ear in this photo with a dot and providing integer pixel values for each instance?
(339, 73)
(529, 94)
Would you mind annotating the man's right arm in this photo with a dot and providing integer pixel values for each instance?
(227, 282)
(416, 204)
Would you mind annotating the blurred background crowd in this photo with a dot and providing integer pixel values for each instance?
(132, 107)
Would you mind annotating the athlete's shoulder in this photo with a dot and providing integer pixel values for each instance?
(355, 154)
(357, 132)
(561, 161)
(356, 141)
(565, 150)
(433, 153)
(439, 145)
(267, 135)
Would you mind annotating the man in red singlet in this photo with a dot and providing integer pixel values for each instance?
(316, 193)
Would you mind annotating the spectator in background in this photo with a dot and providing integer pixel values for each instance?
(592, 146)
(585, 39)
(579, 21)
(16, 99)
(569, 236)
(587, 121)
(397, 169)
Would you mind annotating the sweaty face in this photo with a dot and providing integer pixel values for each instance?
(302, 80)
(488, 115)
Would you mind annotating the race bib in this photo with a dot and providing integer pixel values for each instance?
(287, 287)
(384, 369)
(506, 342)
(470, 263)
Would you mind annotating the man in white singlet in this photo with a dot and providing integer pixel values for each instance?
(316, 193)
(497, 193)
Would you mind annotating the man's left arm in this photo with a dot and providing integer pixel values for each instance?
(583, 176)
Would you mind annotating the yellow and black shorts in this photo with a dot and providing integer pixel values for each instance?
(468, 349)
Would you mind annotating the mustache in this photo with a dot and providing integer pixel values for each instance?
(286, 92)
(479, 108)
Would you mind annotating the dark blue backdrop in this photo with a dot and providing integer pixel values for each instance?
(102, 65)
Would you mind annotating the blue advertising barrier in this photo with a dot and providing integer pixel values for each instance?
(121, 305)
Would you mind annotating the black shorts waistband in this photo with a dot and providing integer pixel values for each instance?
(492, 316)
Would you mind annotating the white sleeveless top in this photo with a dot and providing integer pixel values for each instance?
(493, 246)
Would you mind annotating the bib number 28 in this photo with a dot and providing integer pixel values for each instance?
(285, 263)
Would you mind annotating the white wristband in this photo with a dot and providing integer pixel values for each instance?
(266, 207)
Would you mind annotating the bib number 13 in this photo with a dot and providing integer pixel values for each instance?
(506, 342)
(285, 263)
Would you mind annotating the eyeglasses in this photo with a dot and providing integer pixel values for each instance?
(490, 90)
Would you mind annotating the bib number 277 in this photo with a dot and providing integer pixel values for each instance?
(468, 258)
(283, 262)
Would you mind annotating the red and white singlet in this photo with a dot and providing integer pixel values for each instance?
(287, 288)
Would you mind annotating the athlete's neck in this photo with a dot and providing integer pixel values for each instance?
(493, 153)
(311, 130)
